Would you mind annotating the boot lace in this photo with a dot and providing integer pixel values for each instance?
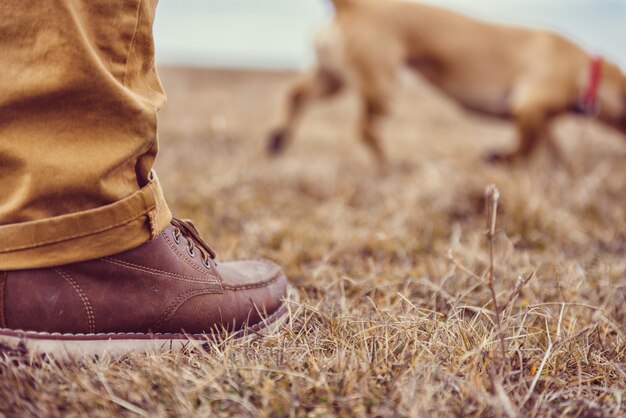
(187, 229)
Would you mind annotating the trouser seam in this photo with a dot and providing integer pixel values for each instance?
(132, 41)
(153, 217)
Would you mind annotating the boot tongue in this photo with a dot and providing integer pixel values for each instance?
(189, 230)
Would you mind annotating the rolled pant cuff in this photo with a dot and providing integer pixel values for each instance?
(86, 235)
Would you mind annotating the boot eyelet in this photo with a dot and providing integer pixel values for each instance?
(191, 253)
(207, 264)
(176, 238)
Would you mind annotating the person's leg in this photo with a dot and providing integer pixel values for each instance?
(78, 100)
(88, 247)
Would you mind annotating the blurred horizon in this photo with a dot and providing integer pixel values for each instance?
(278, 34)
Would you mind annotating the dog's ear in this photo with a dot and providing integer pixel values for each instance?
(341, 4)
(624, 108)
(623, 118)
(624, 97)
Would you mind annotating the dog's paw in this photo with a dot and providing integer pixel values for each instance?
(276, 142)
(499, 158)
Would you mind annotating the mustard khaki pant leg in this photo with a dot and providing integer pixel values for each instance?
(79, 96)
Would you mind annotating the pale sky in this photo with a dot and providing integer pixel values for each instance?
(279, 33)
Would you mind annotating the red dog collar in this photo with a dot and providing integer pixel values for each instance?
(589, 100)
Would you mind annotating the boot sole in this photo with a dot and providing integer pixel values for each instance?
(31, 344)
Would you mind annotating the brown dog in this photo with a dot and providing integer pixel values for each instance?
(529, 76)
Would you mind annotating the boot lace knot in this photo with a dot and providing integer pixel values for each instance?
(187, 229)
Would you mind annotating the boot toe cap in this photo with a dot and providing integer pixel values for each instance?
(253, 296)
(257, 285)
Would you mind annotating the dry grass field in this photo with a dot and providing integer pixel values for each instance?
(396, 314)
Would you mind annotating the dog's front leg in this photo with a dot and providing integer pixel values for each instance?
(533, 110)
(317, 84)
(372, 112)
(530, 130)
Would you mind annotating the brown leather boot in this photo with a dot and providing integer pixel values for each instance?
(160, 295)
